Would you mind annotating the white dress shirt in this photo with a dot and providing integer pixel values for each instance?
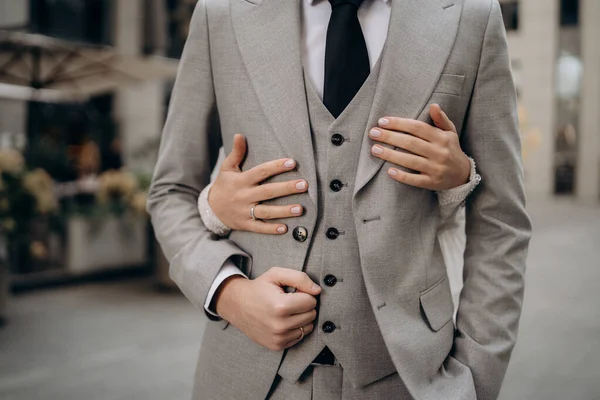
(374, 17)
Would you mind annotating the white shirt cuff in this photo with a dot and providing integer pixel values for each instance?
(227, 270)
(452, 200)
(210, 220)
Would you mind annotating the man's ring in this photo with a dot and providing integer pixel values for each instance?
(301, 333)
(252, 212)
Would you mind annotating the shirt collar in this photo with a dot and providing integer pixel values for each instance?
(311, 2)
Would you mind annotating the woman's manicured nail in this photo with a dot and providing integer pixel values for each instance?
(384, 121)
(296, 210)
(377, 150)
(392, 172)
(281, 229)
(289, 163)
(301, 185)
(375, 133)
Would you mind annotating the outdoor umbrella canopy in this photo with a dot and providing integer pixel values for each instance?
(39, 68)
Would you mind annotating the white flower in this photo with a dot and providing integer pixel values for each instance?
(11, 162)
(38, 250)
(116, 185)
(41, 186)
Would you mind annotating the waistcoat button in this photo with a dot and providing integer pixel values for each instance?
(337, 139)
(330, 280)
(332, 233)
(328, 327)
(300, 233)
(336, 185)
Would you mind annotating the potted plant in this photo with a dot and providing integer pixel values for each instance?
(26, 199)
(111, 231)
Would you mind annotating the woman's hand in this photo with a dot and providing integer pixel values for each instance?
(234, 193)
(432, 152)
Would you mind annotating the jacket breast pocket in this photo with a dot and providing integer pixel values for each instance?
(436, 304)
(450, 84)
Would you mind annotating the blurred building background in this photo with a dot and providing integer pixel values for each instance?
(62, 343)
(80, 141)
(556, 63)
(553, 45)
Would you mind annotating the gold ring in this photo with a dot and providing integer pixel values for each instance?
(301, 333)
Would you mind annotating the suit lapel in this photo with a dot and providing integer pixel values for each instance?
(268, 35)
(419, 41)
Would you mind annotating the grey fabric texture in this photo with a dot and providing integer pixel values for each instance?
(241, 72)
(329, 383)
(357, 342)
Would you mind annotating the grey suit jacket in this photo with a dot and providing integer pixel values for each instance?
(241, 72)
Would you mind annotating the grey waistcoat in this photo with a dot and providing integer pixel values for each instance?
(356, 340)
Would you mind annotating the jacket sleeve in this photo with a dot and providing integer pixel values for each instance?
(188, 152)
(497, 226)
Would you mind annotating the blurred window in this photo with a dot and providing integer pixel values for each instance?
(569, 12)
(79, 20)
(154, 27)
(510, 14)
(179, 15)
(148, 38)
(57, 132)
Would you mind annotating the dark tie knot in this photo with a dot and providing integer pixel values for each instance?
(355, 3)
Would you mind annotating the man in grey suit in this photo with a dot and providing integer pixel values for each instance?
(382, 317)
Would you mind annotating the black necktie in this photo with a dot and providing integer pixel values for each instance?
(346, 58)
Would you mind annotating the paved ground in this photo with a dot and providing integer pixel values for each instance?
(558, 353)
(126, 341)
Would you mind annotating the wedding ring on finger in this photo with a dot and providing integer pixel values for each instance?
(301, 333)
(252, 215)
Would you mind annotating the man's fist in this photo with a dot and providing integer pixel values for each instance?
(265, 312)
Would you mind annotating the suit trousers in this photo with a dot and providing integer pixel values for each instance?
(326, 382)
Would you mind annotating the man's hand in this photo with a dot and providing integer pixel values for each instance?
(234, 193)
(265, 312)
(433, 152)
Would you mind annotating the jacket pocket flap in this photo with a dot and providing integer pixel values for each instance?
(450, 84)
(437, 306)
